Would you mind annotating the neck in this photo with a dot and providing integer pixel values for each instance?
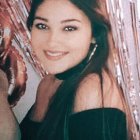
(72, 72)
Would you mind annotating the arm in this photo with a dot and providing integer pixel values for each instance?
(9, 129)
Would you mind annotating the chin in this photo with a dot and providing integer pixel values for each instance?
(54, 72)
(57, 69)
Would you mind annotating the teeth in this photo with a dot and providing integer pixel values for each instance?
(54, 54)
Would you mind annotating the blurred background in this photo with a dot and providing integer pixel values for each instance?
(124, 39)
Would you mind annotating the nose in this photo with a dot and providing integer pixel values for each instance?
(54, 39)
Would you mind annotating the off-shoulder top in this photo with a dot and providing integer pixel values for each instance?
(85, 125)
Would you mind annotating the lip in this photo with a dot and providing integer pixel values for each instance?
(54, 55)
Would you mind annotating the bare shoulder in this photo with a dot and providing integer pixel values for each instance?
(113, 95)
(89, 94)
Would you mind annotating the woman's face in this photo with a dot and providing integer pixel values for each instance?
(61, 35)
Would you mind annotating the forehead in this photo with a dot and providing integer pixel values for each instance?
(59, 9)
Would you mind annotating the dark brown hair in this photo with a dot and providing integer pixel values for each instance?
(62, 103)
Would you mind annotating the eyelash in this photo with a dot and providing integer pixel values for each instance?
(41, 26)
(70, 28)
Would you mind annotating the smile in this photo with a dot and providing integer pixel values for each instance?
(54, 55)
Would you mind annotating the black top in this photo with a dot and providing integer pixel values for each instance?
(93, 124)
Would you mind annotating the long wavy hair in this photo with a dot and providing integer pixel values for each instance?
(61, 104)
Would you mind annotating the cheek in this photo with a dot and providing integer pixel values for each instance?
(79, 52)
(36, 42)
(81, 46)
(37, 49)
(81, 41)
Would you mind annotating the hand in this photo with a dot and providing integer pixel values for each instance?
(9, 128)
(3, 83)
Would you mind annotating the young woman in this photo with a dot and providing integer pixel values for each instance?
(79, 98)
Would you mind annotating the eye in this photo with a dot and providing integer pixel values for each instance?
(70, 28)
(41, 26)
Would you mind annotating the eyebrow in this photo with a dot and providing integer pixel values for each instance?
(70, 20)
(63, 21)
(41, 18)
